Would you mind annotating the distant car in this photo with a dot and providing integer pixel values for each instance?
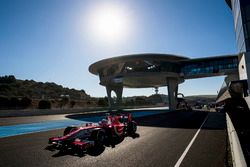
(182, 105)
(198, 106)
(84, 137)
(219, 108)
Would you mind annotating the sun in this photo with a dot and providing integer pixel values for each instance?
(109, 23)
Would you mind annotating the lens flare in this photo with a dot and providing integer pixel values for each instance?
(109, 23)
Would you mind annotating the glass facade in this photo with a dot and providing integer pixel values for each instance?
(241, 14)
(126, 72)
(139, 66)
(188, 69)
(209, 66)
(153, 66)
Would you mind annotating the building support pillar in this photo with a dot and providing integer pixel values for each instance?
(172, 93)
(176, 92)
(110, 100)
(118, 91)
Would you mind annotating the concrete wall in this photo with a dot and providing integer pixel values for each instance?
(242, 67)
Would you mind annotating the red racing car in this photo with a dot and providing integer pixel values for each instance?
(84, 137)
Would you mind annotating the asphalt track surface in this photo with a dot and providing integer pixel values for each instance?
(72, 119)
(162, 140)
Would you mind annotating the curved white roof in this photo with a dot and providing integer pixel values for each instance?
(105, 63)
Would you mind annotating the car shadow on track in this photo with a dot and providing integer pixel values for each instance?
(93, 151)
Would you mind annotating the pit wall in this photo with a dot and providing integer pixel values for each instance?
(236, 150)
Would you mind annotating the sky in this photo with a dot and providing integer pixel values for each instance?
(57, 40)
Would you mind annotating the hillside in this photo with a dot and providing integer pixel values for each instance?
(16, 93)
(202, 98)
(12, 87)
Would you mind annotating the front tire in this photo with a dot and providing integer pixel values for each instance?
(132, 128)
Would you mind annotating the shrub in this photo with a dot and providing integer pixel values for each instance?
(5, 88)
(102, 102)
(63, 101)
(140, 101)
(14, 102)
(44, 104)
(4, 102)
(25, 102)
(130, 103)
(7, 79)
(72, 103)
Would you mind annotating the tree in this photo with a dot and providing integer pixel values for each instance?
(72, 103)
(102, 102)
(7, 79)
(14, 102)
(140, 101)
(44, 104)
(64, 101)
(25, 102)
(4, 102)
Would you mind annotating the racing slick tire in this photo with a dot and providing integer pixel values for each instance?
(69, 129)
(132, 127)
(98, 136)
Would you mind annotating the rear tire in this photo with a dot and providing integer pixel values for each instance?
(132, 127)
(98, 136)
(69, 129)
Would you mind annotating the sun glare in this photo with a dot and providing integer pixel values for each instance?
(109, 23)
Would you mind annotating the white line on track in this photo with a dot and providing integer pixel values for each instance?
(178, 163)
